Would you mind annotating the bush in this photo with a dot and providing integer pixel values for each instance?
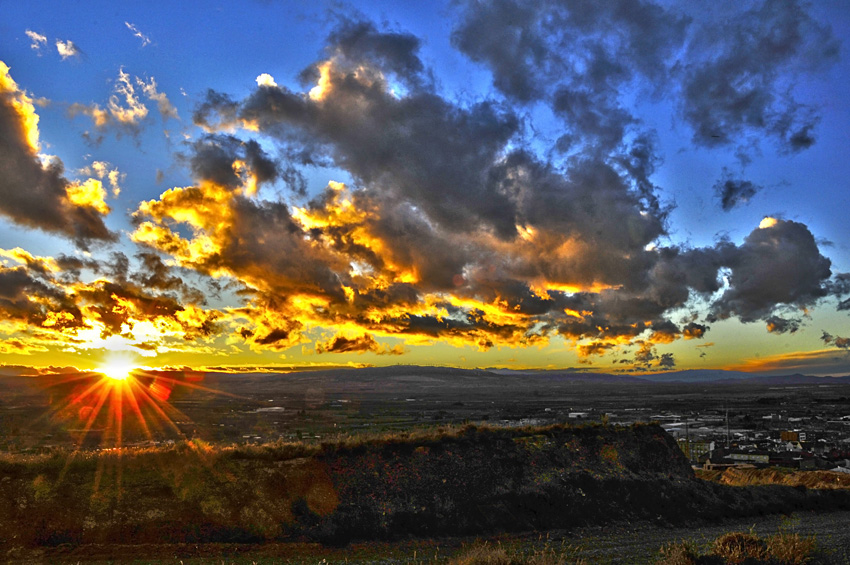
(791, 548)
(740, 547)
(484, 554)
(735, 547)
(681, 553)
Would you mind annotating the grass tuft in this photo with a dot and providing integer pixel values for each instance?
(783, 548)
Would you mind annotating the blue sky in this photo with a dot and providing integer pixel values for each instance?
(549, 184)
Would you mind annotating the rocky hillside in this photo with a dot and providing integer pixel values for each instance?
(471, 480)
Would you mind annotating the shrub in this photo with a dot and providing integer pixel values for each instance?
(791, 548)
(740, 547)
(735, 547)
(681, 553)
(484, 554)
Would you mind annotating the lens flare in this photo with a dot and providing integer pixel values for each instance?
(117, 369)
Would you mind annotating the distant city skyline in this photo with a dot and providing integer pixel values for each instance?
(622, 187)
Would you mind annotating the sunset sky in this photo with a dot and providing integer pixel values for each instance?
(618, 186)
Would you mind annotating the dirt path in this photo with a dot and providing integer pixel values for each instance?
(640, 543)
(624, 544)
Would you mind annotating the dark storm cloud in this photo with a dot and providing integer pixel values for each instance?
(34, 194)
(732, 74)
(733, 192)
(156, 275)
(779, 325)
(216, 106)
(30, 297)
(839, 287)
(666, 361)
(212, 158)
(453, 228)
(360, 344)
(779, 264)
(392, 51)
(419, 148)
(563, 52)
(837, 341)
(738, 73)
(693, 330)
(530, 47)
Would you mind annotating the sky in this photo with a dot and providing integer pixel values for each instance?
(623, 186)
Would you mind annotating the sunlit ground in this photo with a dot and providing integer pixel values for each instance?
(117, 405)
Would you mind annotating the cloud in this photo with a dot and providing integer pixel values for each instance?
(146, 40)
(837, 341)
(125, 111)
(820, 362)
(67, 49)
(726, 85)
(563, 53)
(265, 79)
(37, 40)
(739, 82)
(733, 192)
(103, 171)
(165, 107)
(44, 302)
(694, 331)
(453, 229)
(779, 325)
(778, 265)
(453, 225)
(228, 161)
(359, 344)
(33, 190)
(666, 361)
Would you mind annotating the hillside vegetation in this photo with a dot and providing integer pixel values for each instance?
(778, 476)
(468, 480)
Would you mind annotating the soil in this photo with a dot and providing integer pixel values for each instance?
(634, 543)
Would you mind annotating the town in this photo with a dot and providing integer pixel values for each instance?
(804, 426)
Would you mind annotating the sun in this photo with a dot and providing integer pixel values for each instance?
(117, 368)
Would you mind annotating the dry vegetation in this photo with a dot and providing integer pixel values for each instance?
(776, 476)
(495, 554)
(783, 548)
(466, 480)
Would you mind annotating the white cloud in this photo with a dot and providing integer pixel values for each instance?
(38, 40)
(67, 49)
(266, 79)
(166, 108)
(146, 40)
(133, 111)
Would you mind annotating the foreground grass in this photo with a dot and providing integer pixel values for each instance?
(777, 476)
(424, 484)
(495, 554)
(784, 548)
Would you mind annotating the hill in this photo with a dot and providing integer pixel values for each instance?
(462, 481)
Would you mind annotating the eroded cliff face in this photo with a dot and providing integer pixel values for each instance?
(495, 479)
(475, 480)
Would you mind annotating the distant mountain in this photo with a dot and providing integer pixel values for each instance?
(797, 379)
(738, 377)
(697, 376)
(569, 375)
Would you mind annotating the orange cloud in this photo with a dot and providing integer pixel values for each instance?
(33, 190)
(822, 361)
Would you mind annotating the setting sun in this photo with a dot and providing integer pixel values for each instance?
(117, 369)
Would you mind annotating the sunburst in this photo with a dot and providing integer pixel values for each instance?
(117, 368)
